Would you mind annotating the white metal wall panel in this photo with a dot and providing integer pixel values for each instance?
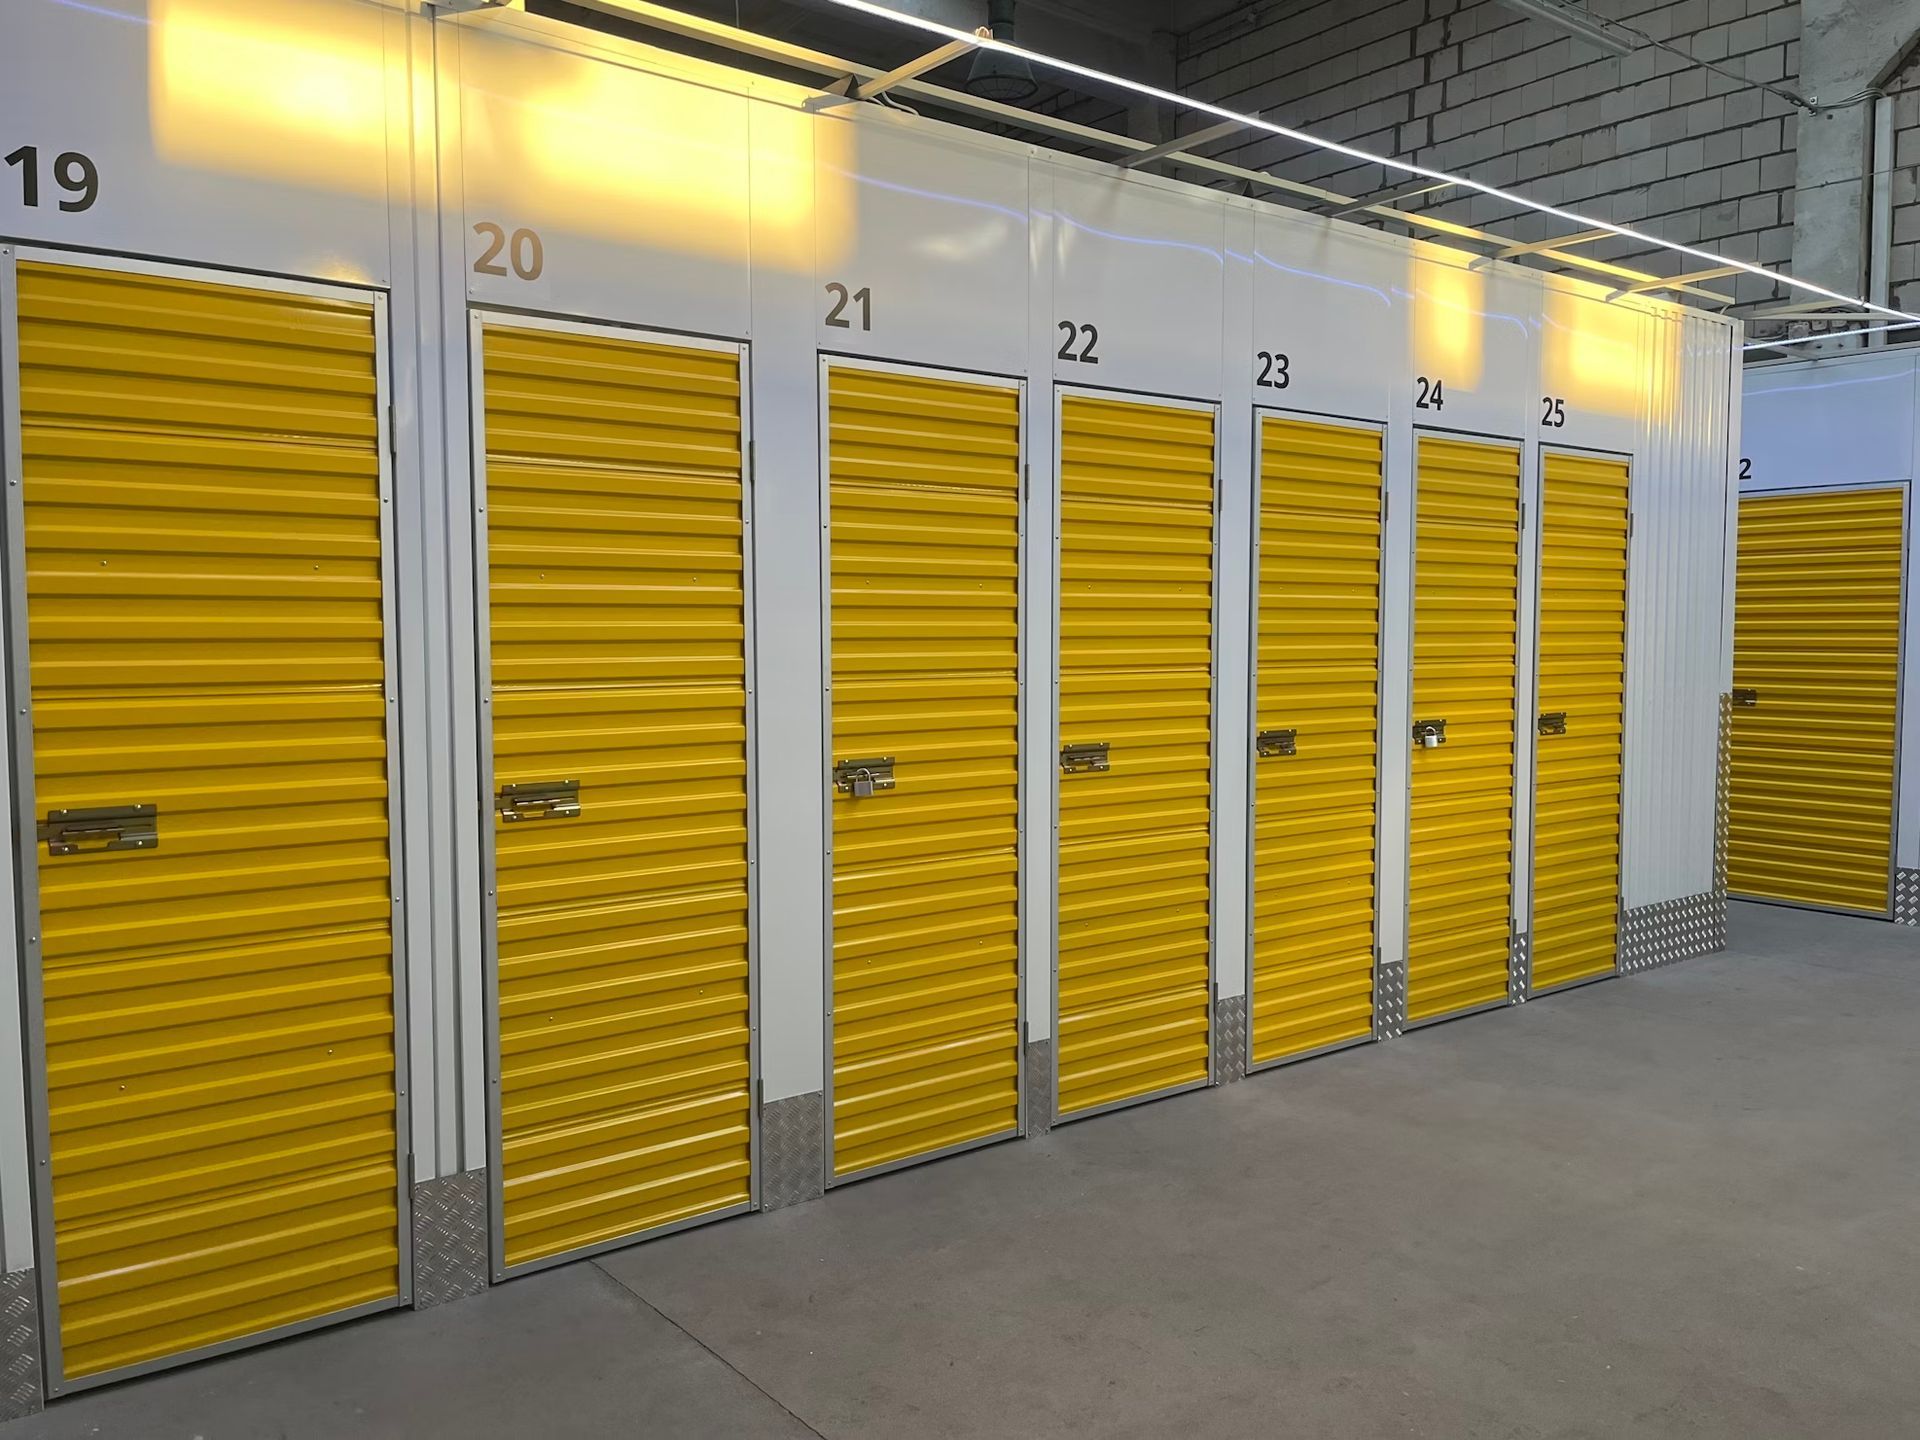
(1677, 654)
(551, 220)
(227, 132)
(1470, 343)
(1142, 263)
(905, 246)
(1326, 307)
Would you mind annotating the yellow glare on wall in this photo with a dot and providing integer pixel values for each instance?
(599, 149)
(1449, 320)
(275, 90)
(1591, 349)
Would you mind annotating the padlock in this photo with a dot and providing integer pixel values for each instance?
(862, 784)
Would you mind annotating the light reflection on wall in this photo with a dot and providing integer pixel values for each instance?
(1449, 319)
(289, 92)
(1592, 350)
(592, 148)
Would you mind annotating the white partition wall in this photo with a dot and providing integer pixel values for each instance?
(519, 166)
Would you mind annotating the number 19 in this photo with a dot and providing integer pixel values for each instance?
(72, 172)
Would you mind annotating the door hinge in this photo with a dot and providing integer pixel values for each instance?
(393, 435)
(753, 460)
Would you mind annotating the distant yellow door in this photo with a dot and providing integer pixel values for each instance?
(1466, 581)
(1316, 736)
(1581, 708)
(923, 499)
(617, 630)
(210, 720)
(1136, 712)
(1816, 677)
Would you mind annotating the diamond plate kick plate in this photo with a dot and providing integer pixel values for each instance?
(20, 1381)
(449, 1238)
(792, 1134)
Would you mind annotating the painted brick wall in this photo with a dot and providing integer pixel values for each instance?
(1904, 269)
(1469, 86)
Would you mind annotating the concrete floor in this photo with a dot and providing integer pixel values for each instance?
(1686, 1203)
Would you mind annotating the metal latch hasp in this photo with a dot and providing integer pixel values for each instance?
(539, 800)
(862, 778)
(1747, 698)
(106, 827)
(1552, 722)
(1086, 756)
(1429, 734)
(1276, 742)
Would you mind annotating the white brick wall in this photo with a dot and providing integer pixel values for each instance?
(1469, 86)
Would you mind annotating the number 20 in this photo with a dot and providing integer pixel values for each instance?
(524, 251)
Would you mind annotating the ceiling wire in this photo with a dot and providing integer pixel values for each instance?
(1781, 92)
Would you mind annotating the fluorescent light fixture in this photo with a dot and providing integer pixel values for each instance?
(1828, 335)
(1354, 152)
(1571, 21)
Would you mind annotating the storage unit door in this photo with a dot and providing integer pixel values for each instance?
(617, 634)
(1816, 677)
(1465, 630)
(924, 497)
(1136, 710)
(1580, 702)
(207, 648)
(1316, 743)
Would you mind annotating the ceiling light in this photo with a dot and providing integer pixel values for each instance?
(997, 75)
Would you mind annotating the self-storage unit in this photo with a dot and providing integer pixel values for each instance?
(554, 701)
(1823, 811)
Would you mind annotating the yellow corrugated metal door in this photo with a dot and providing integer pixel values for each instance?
(1816, 676)
(1136, 709)
(1466, 579)
(1316, 736)
(1580, 702)
(617, 630)
(206, 640)
(924, 488)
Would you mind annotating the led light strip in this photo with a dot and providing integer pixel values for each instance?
(1827, 335)
(1253, 122)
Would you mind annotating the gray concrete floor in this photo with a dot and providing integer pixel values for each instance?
(1685, 1203)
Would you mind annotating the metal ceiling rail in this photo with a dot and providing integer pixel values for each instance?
(1388, 199)
(1641, 287)
(1179, 144)
(857, 89)
(1809, 310)
(1538, 247)
(798, 57)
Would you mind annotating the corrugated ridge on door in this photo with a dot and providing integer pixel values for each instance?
(1136, 658)
(1465, 636)
(1576, 816)
(1817, 640)
(1318, 638)
(618, 634)
(924, 500)
(204, 598)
